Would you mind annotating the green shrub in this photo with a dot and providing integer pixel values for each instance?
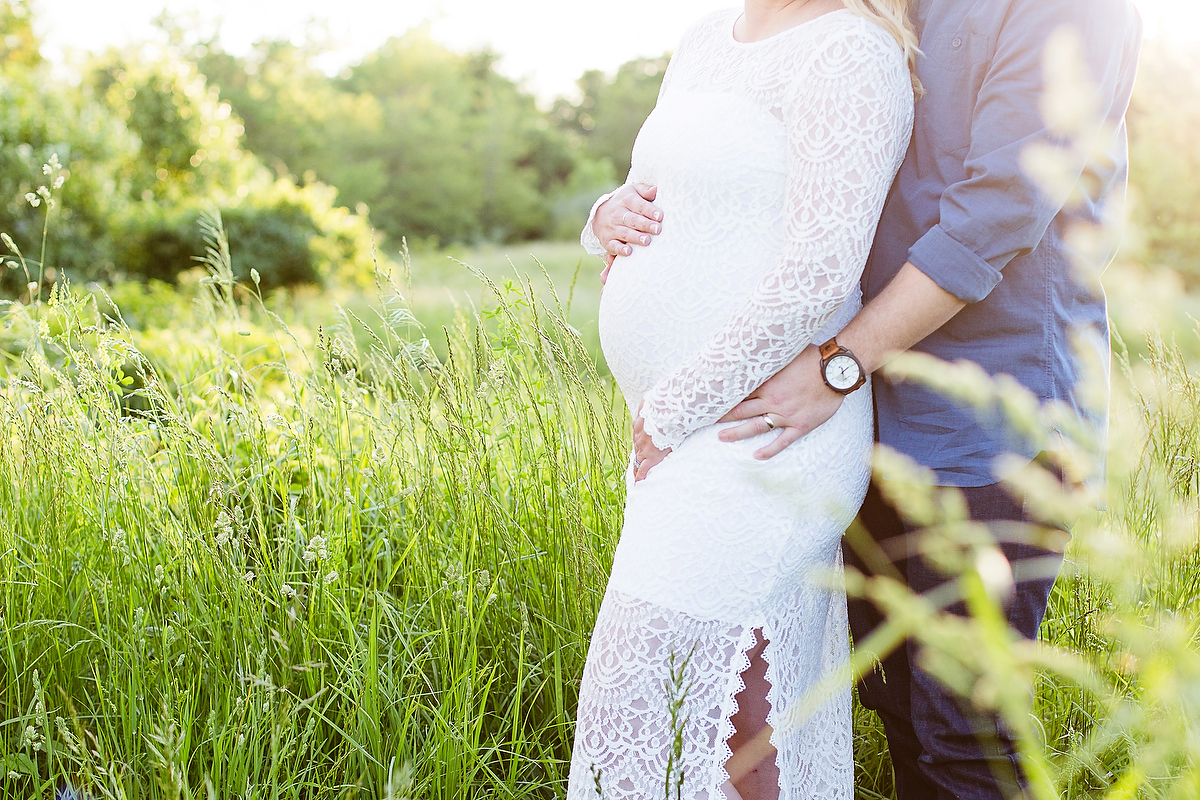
(289, 235)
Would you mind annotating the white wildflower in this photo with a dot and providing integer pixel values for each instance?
(316, 549)
(43, 193)
(31, 738)
(287, 591)
(249, 576)
(331, 577)
(32, 199)
(59, 181)
(64, 733)
(223, 528)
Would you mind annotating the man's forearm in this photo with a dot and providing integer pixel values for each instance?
(910, 308)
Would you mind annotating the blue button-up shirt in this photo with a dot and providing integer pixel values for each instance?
(965, 213)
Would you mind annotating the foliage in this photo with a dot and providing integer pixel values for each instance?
(37, 120)
(1165, 160)
(395, 559)
(436, 144)
(611, 111)
(187, 139)
(285, 234)
(146, 143)
(283, 577)
(19, 45)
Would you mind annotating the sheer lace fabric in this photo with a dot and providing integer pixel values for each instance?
(779, 153)
(772, 162)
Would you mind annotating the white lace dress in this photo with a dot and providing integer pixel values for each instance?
(772, 161)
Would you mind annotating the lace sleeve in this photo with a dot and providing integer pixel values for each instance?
(848, 118)
(590, 241)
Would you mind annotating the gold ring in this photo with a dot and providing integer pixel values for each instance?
(767, 419)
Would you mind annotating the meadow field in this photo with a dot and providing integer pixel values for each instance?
(320, 517)
(334, 546)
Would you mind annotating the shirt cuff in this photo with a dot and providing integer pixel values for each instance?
(588, 238)
(953, 266)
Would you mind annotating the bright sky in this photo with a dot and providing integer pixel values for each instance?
(547, 42)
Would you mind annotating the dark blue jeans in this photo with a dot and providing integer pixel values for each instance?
(941, 747)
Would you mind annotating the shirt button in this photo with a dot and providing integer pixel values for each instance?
(957, 43)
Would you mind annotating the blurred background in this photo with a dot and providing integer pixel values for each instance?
(476, 130)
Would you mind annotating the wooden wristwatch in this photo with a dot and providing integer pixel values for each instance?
(841, 370)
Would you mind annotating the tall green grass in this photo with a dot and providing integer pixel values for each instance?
(240, 569)
(243, 558)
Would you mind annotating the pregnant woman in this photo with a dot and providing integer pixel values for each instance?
(778, 131)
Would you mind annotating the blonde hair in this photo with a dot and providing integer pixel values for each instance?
(892, 16)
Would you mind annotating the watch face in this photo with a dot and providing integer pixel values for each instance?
(842, 372)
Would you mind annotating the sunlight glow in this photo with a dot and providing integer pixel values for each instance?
(549, 43)
(1171, 19)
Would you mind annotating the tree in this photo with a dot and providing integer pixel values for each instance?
(18, 44)
(608, 116)
(438, 145)
(40, 118)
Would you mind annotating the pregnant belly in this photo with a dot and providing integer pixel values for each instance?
(661, 305)
(712, 530)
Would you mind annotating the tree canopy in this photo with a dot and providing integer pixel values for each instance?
(415, 140)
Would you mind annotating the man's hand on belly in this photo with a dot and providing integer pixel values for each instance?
(910, 308)
(796, 400)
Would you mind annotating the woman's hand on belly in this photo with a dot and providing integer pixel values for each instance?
(627, 218)
(645, 455)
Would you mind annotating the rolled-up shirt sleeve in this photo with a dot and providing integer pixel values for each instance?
(998, 212)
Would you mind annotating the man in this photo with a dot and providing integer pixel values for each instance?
(972, 260)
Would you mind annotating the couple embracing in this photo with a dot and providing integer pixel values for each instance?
(824, 183)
